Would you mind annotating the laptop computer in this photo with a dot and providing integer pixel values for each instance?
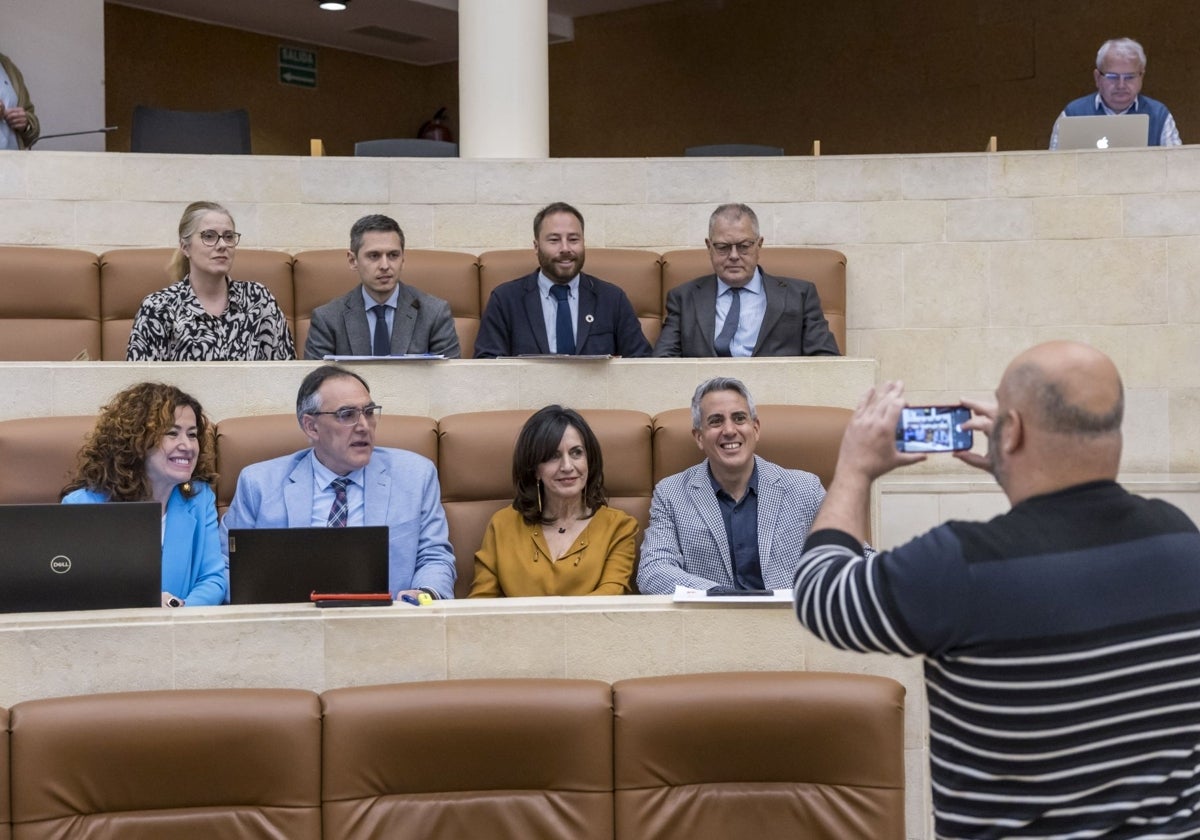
(1104, 131)
(80, 557)
(286, 565)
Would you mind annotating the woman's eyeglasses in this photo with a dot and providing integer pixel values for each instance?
(229, 237)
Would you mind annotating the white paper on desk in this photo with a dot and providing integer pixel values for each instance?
(687, 595)
(560, 357)
(399, 357)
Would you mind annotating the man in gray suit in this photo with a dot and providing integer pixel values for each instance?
(734, 521)
(381, 316)
(740, 310)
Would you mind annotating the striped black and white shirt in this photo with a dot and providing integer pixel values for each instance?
(1062, 660)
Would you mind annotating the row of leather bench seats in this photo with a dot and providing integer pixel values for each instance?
(473, 452)
(58, 303)
(686, 757)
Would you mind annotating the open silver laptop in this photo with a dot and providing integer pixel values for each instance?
(80, 557)
(1104, 131)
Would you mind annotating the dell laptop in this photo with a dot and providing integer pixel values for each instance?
(284, 565)
(1104, 131)
(80, 557)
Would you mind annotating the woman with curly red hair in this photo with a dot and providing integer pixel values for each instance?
(152, 442)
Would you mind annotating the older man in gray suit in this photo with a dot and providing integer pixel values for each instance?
(739, 309)
(734, 521)
(381, 316)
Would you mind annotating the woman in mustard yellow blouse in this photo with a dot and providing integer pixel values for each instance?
(560, 537)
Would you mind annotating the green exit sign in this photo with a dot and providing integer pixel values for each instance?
(298, 67)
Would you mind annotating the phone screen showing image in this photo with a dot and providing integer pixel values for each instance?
(933, 428)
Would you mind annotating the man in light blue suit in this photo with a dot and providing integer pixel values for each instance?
(733, 521)
(344, 479)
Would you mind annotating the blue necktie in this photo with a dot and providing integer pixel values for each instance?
(731, 324)
(339, 511)
(383, 341)
(563, 328)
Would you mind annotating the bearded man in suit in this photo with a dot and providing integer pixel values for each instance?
(558, 309)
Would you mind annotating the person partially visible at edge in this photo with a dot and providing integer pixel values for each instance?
(1120, 70)
(19, 126)
(559, 309)
(1061, 640)
(559, 536)
(206, 316)
(153, 442)
(381, 316)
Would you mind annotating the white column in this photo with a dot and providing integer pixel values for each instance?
(503, 79)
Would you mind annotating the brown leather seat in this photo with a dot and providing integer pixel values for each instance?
(321, 276)
(127, 275)
(636, 272)
(501, 759)
(695, 756)
(49, 304)
(823, 267)
(475, 453)
(759, 755)
(242, 441)
(38, 456)
(229, 763)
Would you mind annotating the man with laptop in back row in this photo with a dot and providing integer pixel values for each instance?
(345, 480)
(1120, 68)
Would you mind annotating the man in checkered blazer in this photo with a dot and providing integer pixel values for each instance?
(734, 520)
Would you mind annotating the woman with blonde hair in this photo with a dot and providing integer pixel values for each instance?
(152, 442)
(205, 315)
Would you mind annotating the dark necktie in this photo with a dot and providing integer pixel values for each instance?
(339, 511)
(383, 341)
(563, 328)
(731, 324)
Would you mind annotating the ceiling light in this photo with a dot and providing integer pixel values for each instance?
(333, 5)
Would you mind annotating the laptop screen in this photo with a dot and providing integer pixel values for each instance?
(1104, 131)
(286, 565)
(80, 557)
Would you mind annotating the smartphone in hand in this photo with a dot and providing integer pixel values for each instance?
(933, 428)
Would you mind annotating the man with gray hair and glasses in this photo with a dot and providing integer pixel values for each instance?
(739, 309)
(344, 479)
(1120, 68)
(733, 521)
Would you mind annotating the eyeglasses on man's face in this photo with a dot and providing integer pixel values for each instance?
(1120, 77)
(229, 237)
(725, 248)
(348, 415)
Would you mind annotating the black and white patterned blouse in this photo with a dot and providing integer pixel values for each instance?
(172, 326)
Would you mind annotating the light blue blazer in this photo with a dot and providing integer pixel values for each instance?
(193, 565)
(400, 491)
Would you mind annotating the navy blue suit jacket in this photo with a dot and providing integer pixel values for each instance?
(513, 324)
